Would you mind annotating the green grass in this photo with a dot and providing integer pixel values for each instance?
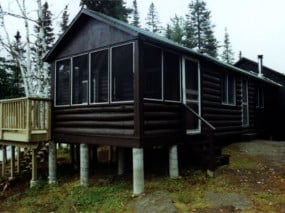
(187, 192)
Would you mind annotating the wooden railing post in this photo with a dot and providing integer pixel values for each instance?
(28, 113)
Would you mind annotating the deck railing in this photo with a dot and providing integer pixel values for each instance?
(25, 119)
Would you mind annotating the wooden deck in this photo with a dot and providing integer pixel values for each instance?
(25, 120)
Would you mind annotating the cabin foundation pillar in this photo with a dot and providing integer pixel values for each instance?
(84, 164)
(52, 163)
(34, 180)
(173, 162)
(18, 160)
(4, 159)
(138, 171)
(121, 161)
(12, 175)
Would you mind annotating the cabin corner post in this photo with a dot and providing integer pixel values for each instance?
(84, 164)
(52, 163)
(138, 91)
(138, 171)
(173, 162)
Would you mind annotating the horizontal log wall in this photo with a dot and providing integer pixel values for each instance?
(226, 118)
(163, 118)
(108, 120)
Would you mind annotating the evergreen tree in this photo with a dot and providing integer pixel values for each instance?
(64, 20)
(200, 29)
(175, 30)
(189, 40)
(152, 20)
(135, 13)
(227, 54)
(46, 22)
(116, 9)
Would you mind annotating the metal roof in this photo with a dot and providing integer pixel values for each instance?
(139, 32)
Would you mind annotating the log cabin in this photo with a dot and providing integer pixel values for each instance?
(118, 85)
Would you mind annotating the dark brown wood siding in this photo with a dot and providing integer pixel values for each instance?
(226, 118)
(92, 121)
(162, 118)
(90, 34)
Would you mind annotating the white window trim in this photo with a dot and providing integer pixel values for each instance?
(108, 101)
(111, 74)
(55, 80)
(227, 91)
(198, 130)
(83, 104)
(242, 104)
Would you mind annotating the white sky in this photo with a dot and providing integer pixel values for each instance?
(255, 26)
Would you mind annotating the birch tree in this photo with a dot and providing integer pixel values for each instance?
(35, 77)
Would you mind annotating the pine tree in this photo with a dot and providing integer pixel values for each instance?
(64, 20)
(135, 13)
(189, 40)
(200, 29)
(152, 20)
(116, 9)
(227, 54)
(175, 30)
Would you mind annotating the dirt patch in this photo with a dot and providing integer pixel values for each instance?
(235, 200)
(158, 202)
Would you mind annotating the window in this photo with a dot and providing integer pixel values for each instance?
(122, 73)
(62, 82)
(228, 89)
(259, 97)
(171, 76)
(244, 104)
(80, 69)
(152, 72)
(99, 77)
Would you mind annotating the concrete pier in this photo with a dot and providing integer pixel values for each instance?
(138, 171)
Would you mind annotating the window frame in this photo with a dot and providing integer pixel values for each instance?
(180, 77)
(72, 57)
(162, 76)
(109, 70)
(226, 74)
(55, 81)
(161, 71)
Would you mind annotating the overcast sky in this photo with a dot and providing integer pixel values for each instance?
(255, 26)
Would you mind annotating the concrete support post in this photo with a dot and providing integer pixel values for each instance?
(18, 160)
(173, 162)
(121, 161)
(4, 159)
(138, 171)
(84, 164)
(34, 168)
(12, 175)
(52, 163)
